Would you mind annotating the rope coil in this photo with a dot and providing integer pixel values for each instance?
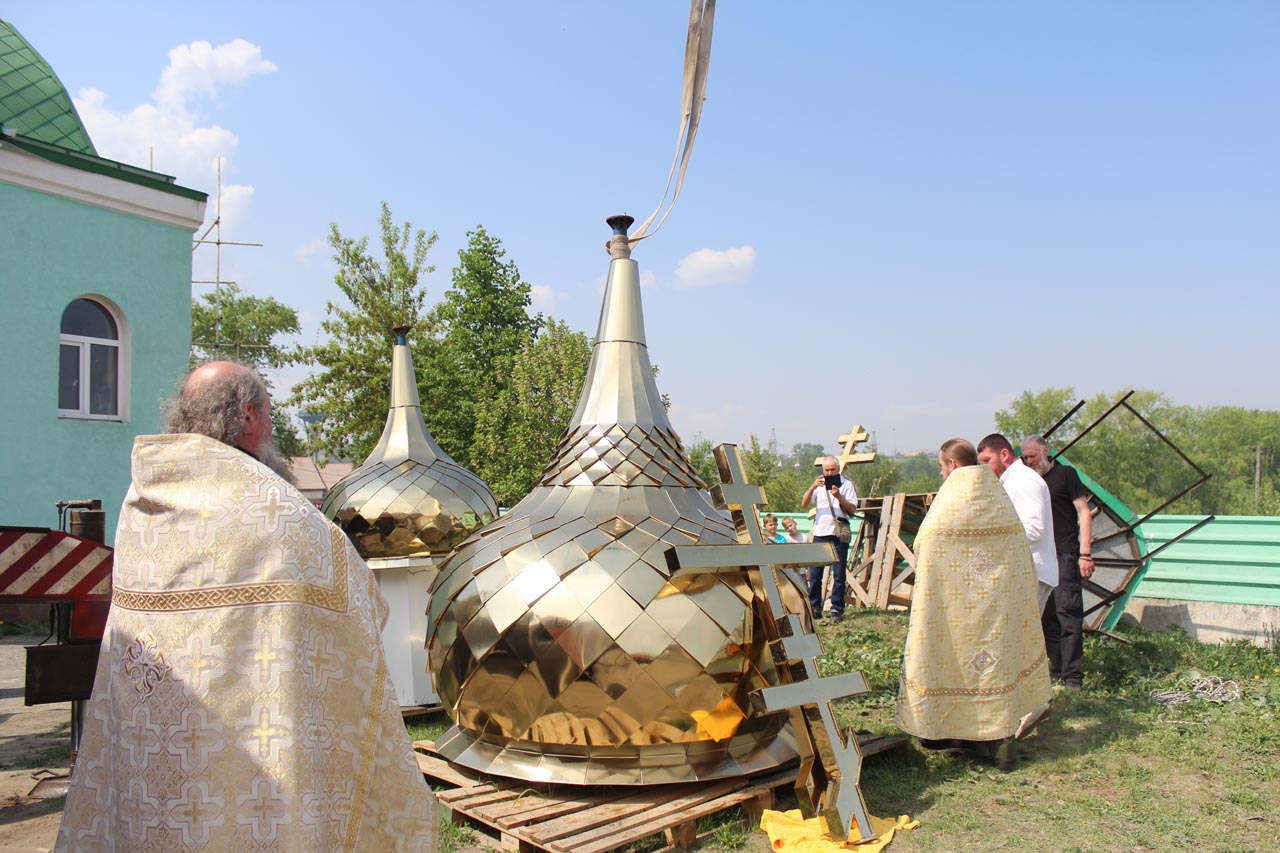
(1210, 688)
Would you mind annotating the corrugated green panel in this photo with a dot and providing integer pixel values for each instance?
(1123, 516)
(1234, 559)
(33, 101)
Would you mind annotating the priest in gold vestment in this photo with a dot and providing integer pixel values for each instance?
(241, 700)
(975, 662)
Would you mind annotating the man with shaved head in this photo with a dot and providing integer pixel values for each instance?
(241, 700)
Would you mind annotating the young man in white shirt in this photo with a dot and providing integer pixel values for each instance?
(1030, 498)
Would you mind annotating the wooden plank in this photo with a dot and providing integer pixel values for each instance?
(904, 550)
(526, 810)
(896, 545)
(566, 819)
(875, 744)
(476, 801)
(877, 558)
(884, 552)
(658, 821)
(442, 770)
(630, 811)
(682, 836)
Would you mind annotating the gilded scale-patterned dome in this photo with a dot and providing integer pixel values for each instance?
(561, 645)
(409, 500)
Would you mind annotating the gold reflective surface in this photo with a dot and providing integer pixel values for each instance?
(563, 648)
(830, 759)
(409, 501)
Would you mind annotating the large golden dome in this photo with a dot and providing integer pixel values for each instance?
(409, 500)
(562, 647)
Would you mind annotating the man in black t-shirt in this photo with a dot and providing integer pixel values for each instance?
(1073, 534)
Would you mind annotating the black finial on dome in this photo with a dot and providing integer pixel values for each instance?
(620, 223)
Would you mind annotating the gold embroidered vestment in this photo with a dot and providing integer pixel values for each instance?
(975, 659)
(241, 700)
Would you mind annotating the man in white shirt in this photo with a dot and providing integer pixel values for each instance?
(834, 499)
(1031, 501)
(1030, 496)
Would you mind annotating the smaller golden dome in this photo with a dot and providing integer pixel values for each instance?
(409, 500)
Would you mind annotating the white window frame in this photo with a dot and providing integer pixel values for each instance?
(82, 343)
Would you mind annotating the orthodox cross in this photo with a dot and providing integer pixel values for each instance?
(848, 442)
(830, 760)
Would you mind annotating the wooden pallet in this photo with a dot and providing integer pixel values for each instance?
(573, 819)
(885, 565)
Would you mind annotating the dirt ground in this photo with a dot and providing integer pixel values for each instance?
(32, 739)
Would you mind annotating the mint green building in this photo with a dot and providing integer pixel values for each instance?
(95, 277)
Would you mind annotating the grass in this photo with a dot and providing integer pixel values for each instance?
(1110, 770)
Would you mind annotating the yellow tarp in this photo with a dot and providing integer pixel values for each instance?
(791, 833)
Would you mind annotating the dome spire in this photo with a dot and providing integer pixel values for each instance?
(409, 498)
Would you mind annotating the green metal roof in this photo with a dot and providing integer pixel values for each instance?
(1235, 559)
(33, 101)
(103, 166)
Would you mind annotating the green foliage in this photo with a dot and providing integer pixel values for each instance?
(518, 427)
(1131, 462)
(229, 325)
(288, 442)
(784, 478)
(704, 462)
(726, 830)
(454, 837)
(806, 452)
(350, 390)
(483, 326)
(226, 324)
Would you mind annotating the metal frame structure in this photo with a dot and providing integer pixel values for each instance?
(1107, 556)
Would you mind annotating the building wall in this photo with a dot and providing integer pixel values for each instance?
(54, 250)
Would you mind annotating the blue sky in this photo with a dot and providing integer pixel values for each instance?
(897, 214)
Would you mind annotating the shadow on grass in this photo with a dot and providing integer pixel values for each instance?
(908, 780)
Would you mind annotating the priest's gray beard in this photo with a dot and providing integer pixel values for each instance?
(270, 456)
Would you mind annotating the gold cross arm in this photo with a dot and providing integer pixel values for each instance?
(848, 442)
(689, 559)
(809, 692)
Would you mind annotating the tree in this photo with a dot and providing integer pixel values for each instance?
(249, 326)
(805, 452)
(703, 459)
(1233, 445)
(227, 324)
(483, 324)
(517, 428)
(350, 390)
(1033, 414)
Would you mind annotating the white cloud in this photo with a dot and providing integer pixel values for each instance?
(707, 266)
(544, 298)
(169, 136)
(308, 250)
(200, 69)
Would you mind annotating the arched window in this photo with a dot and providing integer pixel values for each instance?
(91, 366)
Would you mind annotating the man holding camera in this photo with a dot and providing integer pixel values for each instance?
(834, 499)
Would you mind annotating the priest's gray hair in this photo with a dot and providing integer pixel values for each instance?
(214, 406)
